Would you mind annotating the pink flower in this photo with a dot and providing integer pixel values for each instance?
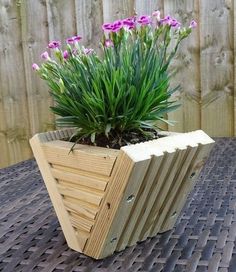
(65, 54)
(54, 44)
(167, 20)
(117, 25)
(107, 27)
(35, 67)
(88, 51)
(45, 55)
(144, 20)
(129, 23)
(70, 40)
(193, 24)
(175, 24)
(77, 38)
(157, 14)
(73, 39)
(109, 43)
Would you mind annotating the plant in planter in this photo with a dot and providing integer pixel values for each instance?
(112, 179)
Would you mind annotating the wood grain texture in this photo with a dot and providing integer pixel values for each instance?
(34, 28)
(54, 194)
(216, 65)
(61, 19)
(14, 123)
(89, 19)
(114, 10)
(186, 67)
(75, 188)
(86, 158)
(147, 7)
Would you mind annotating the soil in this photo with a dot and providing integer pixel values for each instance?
(116, 141)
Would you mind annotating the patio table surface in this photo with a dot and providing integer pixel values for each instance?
(203, 238)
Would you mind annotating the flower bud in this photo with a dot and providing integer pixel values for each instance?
(45, 55)
(193, 24)
(35, 67)
(65, 54)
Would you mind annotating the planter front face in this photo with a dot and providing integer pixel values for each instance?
(108, 199)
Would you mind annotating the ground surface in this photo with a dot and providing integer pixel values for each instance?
(202, 240)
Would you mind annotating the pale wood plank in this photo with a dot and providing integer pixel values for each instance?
(79, 193)
(86, 174)
(216, 64)
(114, 10)
(120, 176)
(168, 181)
(76, 208)
(55, 196)
(124, 212)
(186, 67)
(189, 181)
(166, 201)
(140, 207)
(147, 7)
(80, 222)
(89, 19)
(14, 123)
(88, 207)
(79, 179)
(34, 42)
(87, 158)
(82, 237)
(61, 19)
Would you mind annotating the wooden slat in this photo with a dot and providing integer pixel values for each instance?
(87, 158)
(166, 201)
(98, 177)
(34, 42)
(55, 196)
(139, 209)
(74, 203)
(61, 19)
(181, 194)
(162, 192)
(80, 193)
(14, 121)
(79, 209)
(147, 7)
(80, 222)
(120, 176)
(186, 65)
(79, 179)
(89, 18)
(82, 237)
(115, 10)
(124, 211)
(216, 64)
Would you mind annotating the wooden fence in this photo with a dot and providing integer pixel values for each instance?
(205, 63)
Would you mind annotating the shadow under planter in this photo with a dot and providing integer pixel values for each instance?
(108, 199)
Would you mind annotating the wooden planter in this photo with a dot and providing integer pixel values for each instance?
(108, 199)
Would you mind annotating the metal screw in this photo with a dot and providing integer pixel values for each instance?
(130, 198)
(113, 239)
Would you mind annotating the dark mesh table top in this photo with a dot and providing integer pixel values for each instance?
(202, 240)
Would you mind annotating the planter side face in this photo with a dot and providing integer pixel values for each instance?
(76, 181)
(106, 199)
